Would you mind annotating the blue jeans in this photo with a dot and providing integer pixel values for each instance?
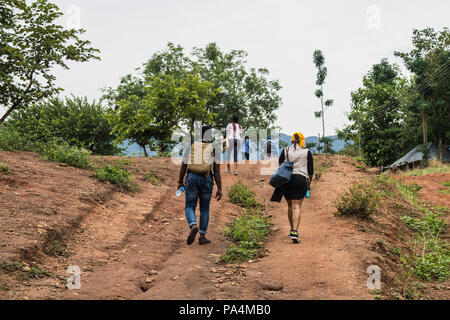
(198, 187)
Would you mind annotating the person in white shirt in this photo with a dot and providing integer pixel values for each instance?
(234, 131)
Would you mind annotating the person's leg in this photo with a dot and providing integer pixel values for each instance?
(230, 146)
(291, 221)
(296, 212)
(191, 195)
(236, 148)
(205, 200)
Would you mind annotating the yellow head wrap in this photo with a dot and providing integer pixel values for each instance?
(301, 139)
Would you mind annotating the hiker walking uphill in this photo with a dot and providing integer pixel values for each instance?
(201, 163)
(299, 184)
(234, 130)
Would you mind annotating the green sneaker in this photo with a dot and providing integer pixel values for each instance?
(294, 236)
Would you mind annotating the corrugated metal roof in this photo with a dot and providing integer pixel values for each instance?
(416, 154)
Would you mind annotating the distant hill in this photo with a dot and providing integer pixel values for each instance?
(337, 144)
(134, 150)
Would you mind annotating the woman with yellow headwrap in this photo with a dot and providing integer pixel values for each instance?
(295, 190)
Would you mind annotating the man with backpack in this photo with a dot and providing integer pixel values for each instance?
(201, 163)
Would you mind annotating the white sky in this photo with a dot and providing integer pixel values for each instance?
(280, 35)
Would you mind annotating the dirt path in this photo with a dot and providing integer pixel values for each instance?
(132, 246)
(329, 264)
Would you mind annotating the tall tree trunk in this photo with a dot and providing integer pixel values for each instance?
(359, 135)
(145, 150)
(424, 128)
(441, 150)
(6, 115)
(323, 120)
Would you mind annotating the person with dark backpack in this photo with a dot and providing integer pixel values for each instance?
(201, 163)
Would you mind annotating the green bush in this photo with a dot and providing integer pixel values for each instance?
(62, 152)
(116, 174)
(11, 140)
(360, 200)
(74, 120)
(239, 194)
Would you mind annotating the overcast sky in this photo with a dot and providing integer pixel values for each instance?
(280, 35)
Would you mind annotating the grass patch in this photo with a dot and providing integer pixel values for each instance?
(24, 272)
(433, 167)
(359, 200)
(430, 257)
(3, 168)
(152, 177)
(247, 231)
(62, 152)
(117, 175)
(241, 195)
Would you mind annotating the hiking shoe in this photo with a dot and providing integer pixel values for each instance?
(192, 234)
(227, 171)
(294, 236)
(203, 240)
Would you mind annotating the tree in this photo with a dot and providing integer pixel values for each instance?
(248, 93)
(74, 120)
(168, 104)
(319, 61)
(31, 44)
(381, 114)
(429, 61)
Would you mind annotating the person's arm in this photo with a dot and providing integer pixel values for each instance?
(218, 179)
(183, 170)
(281, 158)
(310, 168)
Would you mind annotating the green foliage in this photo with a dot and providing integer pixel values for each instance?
(239, 194)
(246, 92)
(248, 233)
(168, 104)
(31, 46)
(3, 168)
(430, 224)
(11, 140)
(360, 200)
(116, 174)
(433, 260)
(62, 152)
(152, 177)
(428, 61)
(74, 120)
